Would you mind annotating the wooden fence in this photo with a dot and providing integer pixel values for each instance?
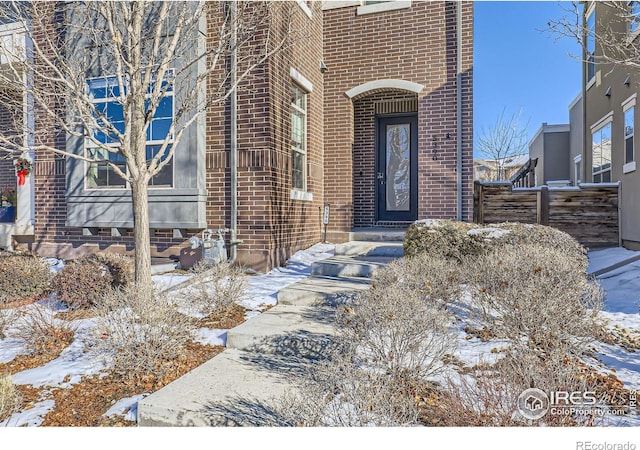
(589, 212)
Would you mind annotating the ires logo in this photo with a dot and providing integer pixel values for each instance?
(534, 403)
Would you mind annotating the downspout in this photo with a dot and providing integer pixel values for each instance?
(233, 151)
(459, 110)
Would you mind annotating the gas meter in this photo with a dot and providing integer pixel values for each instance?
(213, 249)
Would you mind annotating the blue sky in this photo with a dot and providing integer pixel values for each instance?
(518, 65)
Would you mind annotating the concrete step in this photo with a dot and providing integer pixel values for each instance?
(377, 234)
(320, 290)
(296, 331)
(393, 249)
(345, 266)
(235, 388)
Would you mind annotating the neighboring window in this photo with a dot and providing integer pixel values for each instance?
(591, 45)
(298, 138)
(105, 92)
(634, 16)
(577, 164)
(601, 154)
(628, 134)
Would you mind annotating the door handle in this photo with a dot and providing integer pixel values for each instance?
(380, 177)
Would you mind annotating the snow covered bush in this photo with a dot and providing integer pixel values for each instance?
(217, 287)
(459, 240)
(537, 296)
(23, 277)
(10, 397)
(443, 238)
(43, 333)
(139, 331)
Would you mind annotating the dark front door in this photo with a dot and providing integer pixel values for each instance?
(397, 168)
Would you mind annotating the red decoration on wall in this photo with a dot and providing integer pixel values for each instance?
(22, 175)
(23, 168)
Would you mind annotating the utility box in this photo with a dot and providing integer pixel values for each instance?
(214, 250)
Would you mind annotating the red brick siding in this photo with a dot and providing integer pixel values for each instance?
(416, 44)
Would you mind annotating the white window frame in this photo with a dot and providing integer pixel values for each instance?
(302, 150)
(382, 7)
(89, 145)
(596, 128)
(629, 104)
(303, 5)
(304, 85)
(577, 169)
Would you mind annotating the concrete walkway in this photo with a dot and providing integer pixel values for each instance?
(265, 353)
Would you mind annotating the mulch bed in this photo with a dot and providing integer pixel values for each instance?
(85, 403)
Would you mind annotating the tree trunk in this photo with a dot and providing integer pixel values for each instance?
(142, 240)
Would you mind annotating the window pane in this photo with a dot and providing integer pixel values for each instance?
(606, 146)
(628, 147)
(165, 176)
(297, 173)
(160, 129)
(165, 108)
(635, 15)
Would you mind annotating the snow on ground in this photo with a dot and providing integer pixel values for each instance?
(621, 286)
(74, 362)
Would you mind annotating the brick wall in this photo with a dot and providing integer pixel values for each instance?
(416, 44)
(271, 225)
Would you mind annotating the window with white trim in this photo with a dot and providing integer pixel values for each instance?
(628, 134)
(601, 154)
(591, 44)
(108, 111)
(298, 138)
(577, 167)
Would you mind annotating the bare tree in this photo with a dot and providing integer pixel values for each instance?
(133, 55)
(505, 139)
(608, 42)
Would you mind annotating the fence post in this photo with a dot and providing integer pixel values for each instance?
(478, 200)
(542, 206)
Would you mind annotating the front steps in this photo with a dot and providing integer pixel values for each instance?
(239, 386)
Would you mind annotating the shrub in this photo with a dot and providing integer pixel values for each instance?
(10, 397)
(218, 287)
(120, 267)
(437, 280)
(140, 330)
(338, 392)
(443, 238)
(535, 295)
(44, 333)
(488, 396)
(7, 318)
(398, 329)
(23, 277)
(460, 240)
(84, 281)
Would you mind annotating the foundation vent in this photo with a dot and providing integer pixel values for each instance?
(397, 106)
